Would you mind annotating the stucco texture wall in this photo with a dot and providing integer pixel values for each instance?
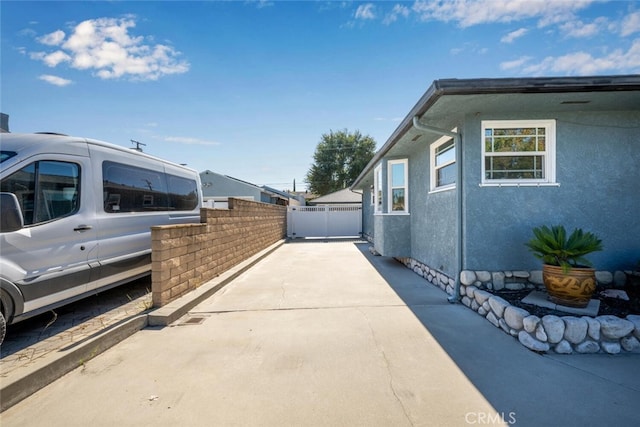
(598, 172)
(433, 217)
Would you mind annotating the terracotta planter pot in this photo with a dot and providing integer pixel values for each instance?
(573, 289)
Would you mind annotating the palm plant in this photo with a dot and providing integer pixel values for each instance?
(552, 246)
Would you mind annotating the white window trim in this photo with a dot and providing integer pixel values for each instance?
(433, 175)
(377, 188)
(390, 164)
(549, 153)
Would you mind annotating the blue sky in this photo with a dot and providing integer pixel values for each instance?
(247, 88)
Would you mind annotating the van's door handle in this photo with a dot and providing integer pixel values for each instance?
(83, 227)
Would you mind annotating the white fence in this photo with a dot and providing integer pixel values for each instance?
(324, 221)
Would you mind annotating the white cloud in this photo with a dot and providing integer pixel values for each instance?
(366, 11)
(189, 141)
(55, 58)
(397, 11)
(578, 29)
(517, 63)
(52, 39)
(55, 80)
(509, 38)
(584, 63)
(105, 46)
(630, 24)
(474, 12)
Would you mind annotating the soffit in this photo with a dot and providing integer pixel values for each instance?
(449, 110)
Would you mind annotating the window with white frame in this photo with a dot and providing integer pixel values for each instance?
(377, 189)
(518, 151)
(443, 164)
(398, 183)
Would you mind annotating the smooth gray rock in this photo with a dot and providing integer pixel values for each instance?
(563, 347)
(541, 334)
(604, 277)
(554, 327)
(521, 274)
(635, 319)
(467, 277)
(498, 280)
(614, 328)
(575, 329)
(531, 343)
(515, 286)
(593, 329)
(471, 290)
(630, 343)
(498, 305)
(493, 319)
(514, 316)
(535, 277)
(610, 347)
(482, 311)
(466, 301)
(530, 323)
(481, 296)
(483, 276)
(504, 326)
(588, 347)
(619, 279)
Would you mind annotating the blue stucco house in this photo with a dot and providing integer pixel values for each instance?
(477, 163)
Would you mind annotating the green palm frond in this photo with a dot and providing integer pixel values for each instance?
(551, 245)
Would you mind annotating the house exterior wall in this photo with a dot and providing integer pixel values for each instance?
(598, 171)
(433, 216)
(598, 177)
(367, 215)
(392, 236)
(216, 185)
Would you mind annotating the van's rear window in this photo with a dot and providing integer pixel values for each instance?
(6, 155)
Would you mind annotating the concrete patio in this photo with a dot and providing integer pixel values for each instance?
(324, 333)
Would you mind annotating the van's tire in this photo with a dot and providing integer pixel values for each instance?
(3, 327)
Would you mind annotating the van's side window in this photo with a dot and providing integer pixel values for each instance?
(133, 189)
(183, 193)
(46, 190)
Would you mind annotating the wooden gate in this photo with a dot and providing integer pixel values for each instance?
(324, 221)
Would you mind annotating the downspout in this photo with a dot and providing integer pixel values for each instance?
(457, 140)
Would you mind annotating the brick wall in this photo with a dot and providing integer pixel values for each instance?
(184, 256)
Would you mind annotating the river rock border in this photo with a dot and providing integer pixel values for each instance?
(559, 334)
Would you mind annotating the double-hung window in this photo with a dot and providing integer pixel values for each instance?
(443, 164)
(518, 152)
(398, 186)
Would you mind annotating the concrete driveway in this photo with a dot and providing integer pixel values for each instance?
(326, 334)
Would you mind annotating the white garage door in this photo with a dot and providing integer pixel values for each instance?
(324, 221)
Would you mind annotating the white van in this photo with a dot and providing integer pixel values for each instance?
(75, 218)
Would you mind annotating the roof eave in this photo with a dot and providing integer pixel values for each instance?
(443, 87)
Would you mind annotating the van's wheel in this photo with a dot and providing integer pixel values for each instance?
(3, 327)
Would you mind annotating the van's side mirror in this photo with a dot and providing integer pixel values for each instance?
(10, 213)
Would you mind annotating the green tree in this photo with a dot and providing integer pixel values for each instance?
(338, 160)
